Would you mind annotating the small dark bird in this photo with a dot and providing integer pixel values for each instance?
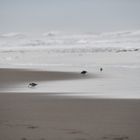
(101, 69)
(83, 72)
(32, 85)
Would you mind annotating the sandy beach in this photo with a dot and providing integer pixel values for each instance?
(69, 70)
(42, 117)
(65, 104)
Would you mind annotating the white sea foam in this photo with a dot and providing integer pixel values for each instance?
(12, 35)
(72, 43)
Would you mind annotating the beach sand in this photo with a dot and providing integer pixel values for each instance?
(43, 117)
(66, 105)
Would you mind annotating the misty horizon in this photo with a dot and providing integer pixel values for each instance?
(69, 16)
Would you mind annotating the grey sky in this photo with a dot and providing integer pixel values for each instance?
(69, 15)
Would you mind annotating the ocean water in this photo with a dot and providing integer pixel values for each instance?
(67, 49)
(72, 43)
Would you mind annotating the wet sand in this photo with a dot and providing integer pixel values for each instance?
(43, 117)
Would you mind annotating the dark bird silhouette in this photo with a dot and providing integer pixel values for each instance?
(83, 72)
(101, 69)
(32, 85)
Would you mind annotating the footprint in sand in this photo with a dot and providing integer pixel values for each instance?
(27, 139)
(32, 127)
(73, 131)
(115, 137)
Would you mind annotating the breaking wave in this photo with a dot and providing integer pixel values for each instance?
(12, 35)
(59, 42)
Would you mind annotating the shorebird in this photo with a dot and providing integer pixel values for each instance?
(101, 69)
(83, 72)
(32, 85)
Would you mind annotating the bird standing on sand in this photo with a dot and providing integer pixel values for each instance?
(32, 85)
(83, 72)
(101, 69)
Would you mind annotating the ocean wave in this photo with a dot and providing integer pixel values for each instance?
(52, 33)
(12, 35)
(113, 41)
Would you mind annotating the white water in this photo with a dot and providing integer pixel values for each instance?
(72, 43)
